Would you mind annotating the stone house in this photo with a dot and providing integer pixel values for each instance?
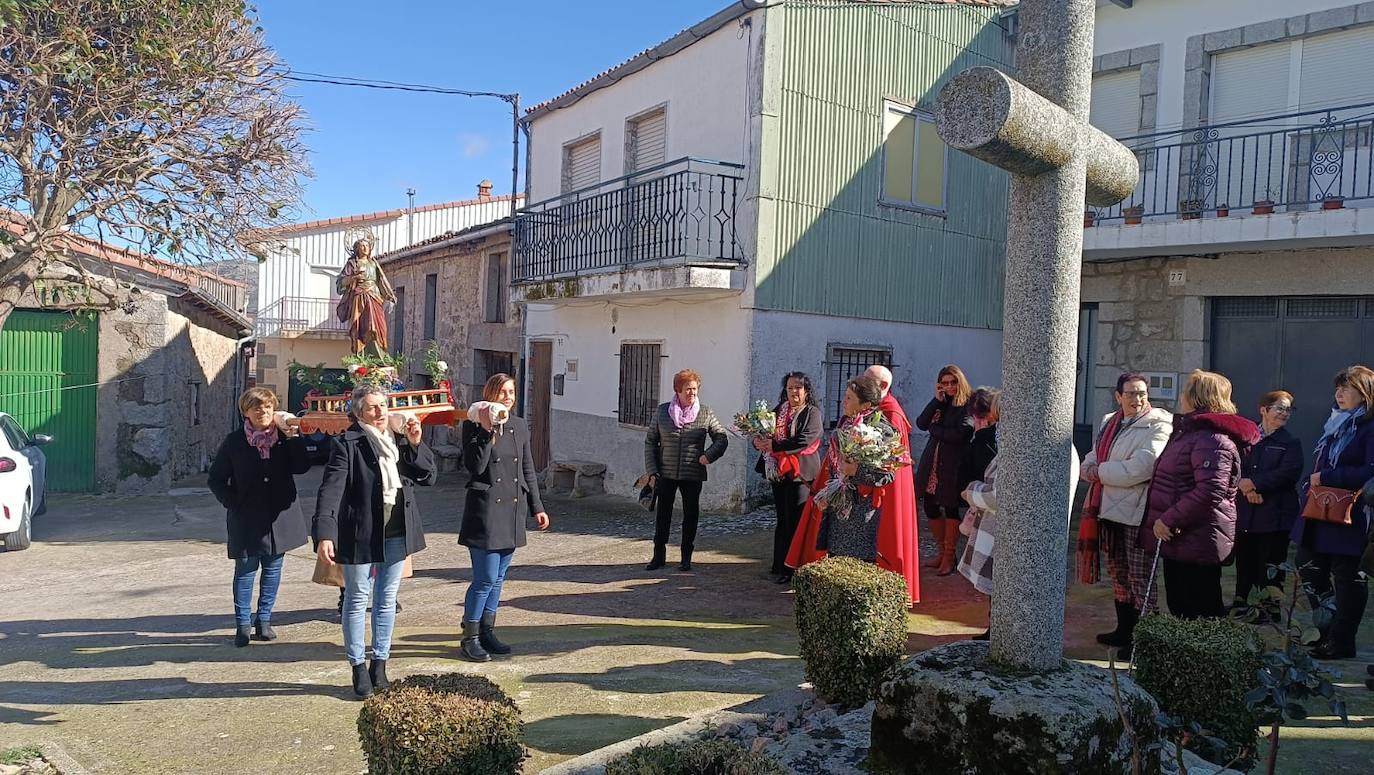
(1248, 246)
(135, 398)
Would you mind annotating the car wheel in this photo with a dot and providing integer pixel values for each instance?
(21, 538)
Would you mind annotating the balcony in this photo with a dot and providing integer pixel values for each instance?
(1298, 180)
(669, 230)
(292, 316)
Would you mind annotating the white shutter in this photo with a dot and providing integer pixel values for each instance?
(1250, 82)
(649, 141)
(582, 165)
(1116, 103)
(1332, 73)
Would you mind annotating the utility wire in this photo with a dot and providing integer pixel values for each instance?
(300, 76)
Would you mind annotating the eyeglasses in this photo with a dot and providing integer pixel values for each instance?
(1136, 394)
(1281, 409)
(950, 382)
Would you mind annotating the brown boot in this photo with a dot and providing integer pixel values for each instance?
(937, 530)
(948, 547)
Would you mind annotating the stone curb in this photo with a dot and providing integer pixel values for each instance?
(594, 762)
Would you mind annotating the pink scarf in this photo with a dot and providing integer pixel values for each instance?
(262, 441)
(682, 416)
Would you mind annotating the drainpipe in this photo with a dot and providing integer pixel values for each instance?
(240, 376)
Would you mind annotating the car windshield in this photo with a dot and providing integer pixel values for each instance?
(16, 436)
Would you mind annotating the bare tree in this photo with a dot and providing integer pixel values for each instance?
(161, 124)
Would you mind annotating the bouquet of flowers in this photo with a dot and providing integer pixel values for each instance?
(871, 443)
(759, 422)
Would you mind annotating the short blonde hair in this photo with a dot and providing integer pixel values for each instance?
(1208, 391)
(255, 398)
(986, 404)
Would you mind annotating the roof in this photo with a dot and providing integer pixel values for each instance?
(383, 215)
(701, 30)
(470, 234)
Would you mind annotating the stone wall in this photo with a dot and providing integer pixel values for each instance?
(200, 371)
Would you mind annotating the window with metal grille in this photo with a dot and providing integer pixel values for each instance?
(496, 288)
(1318, 308)
(398, 322)
(582, 163)
(646, 140)
(1245, 307)
(639, 383)
(914, 160)
(843, 364)
(431, 302)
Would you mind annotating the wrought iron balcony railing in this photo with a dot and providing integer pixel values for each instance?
(679, 212)
(1291, 162)
(299, 315)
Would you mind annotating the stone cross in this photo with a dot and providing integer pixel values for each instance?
(1037, 130)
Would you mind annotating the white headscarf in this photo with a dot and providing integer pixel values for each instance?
(387, 456)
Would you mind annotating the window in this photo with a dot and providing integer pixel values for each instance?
(914, 160)
(398, 322)
(195, 402)
(646, 140)
(639, 383)
(844, 364)
(1116, 103)
(497, 288)
(486, 363)
(431, 301)
(16, 436)
(582, 163)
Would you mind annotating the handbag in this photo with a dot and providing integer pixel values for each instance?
(648, 492)
(331, 574)
(1330, 504)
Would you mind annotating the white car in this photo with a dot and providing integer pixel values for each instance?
(23, 482)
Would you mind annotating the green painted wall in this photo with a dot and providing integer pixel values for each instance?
(826, 245)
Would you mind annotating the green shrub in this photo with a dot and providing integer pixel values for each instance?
(702, 757)
(1200, 670)
(851, 620)
(441, 724)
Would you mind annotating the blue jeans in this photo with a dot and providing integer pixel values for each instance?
(245, 571)
(358, 583)
(488, 574)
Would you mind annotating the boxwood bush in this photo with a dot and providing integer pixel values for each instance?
(851, 620)
(1200, 670)
(702, 757)
(442, 724)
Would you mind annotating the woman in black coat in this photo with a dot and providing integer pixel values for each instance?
(367, 520)
(502, 491)
(795, 447)
(1267, 499)
(938, 476)
(253, 477)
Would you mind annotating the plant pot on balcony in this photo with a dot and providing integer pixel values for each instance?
(1190, 209)
(1088, 219)
(1223, 210)
(1264, 207)
(1333, 202)
(1134, 215)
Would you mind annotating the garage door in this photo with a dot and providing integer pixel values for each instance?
(1295, 344)
(47, 373)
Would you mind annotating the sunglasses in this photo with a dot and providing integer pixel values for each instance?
(950, 382)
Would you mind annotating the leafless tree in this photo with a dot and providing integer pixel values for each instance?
(162, 125)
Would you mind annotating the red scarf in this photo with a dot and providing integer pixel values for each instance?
(1089, 559)
(789, 463)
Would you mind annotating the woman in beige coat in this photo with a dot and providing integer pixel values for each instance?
(1119, 469)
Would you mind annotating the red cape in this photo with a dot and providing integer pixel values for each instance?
(898, 542)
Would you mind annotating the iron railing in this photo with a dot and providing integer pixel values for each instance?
(1291, 162)
(679, 212)
(298, 314)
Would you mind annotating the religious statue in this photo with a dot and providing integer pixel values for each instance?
(365, 294)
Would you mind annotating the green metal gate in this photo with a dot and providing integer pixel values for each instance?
(47, 376)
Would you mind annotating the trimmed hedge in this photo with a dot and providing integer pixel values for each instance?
(1201, 670)
(702, 757)
(851, 620)
(442, 724)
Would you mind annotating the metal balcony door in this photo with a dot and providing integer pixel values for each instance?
(47, 378)
(1296, 344)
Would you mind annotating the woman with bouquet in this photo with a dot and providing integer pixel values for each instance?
(790, 459)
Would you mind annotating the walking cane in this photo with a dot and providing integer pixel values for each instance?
(1149, 587)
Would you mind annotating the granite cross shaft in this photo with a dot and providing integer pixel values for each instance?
(1037, 130)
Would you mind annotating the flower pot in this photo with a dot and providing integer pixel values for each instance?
(1264, 207)
(1133, 215)
(1333, 203)
(1192, 215)
(1223, 211)
(1088, 219)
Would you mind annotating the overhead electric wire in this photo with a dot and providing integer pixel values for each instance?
(300, 76)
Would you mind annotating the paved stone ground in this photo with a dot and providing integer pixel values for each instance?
(115, 632)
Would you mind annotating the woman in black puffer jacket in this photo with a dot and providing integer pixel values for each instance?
(676, 457)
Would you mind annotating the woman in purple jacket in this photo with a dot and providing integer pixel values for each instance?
(1329, 554)
(1191, 512)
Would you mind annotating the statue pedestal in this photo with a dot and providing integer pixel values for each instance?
(431, 407)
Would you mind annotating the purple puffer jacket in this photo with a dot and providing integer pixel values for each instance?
(1194, 487)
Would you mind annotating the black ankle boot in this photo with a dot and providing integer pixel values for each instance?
(659, 560)
(471, 646)
(377, 673)
(263, 630)
(686, 563)
(486, 635)
(1125, 614)
(362, 682)
(242, 636)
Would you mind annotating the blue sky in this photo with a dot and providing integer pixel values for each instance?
(368, 146)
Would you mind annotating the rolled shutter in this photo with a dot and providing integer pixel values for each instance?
(583, 165)
(1116, 103)
(649, 141)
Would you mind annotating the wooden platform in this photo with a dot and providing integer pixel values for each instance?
(430, 407)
